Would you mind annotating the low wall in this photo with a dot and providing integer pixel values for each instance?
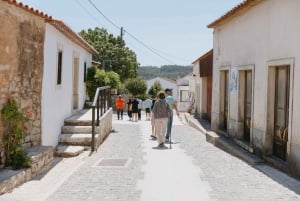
(41, 160)
(105, 127)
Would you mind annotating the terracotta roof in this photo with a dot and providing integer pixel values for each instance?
(236, 11)
(67, 31)
(203, 56)
(59, 25)
(28, 9)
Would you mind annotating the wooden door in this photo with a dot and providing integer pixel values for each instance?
(208, 97)
(281, 112)
(226, 99)
(247, 105)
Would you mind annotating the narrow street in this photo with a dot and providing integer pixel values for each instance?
(136, 170)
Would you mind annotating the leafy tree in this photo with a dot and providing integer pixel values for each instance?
(101, 78)
(91, 84)
(114, 80)
(97, 78)
(113, 54)
(136, 86)
(154, 89)
(172, 72)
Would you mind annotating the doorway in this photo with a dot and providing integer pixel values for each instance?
(247, 105)
(75, 83)
(224, 100)
(281, 111)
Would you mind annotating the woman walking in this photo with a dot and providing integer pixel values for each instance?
(161, 112)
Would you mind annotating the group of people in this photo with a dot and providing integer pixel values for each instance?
(159, 110)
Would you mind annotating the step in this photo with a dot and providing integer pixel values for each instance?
(82, 139)
(77, 122)
(68, 151)
(231, 147)
(78, 129)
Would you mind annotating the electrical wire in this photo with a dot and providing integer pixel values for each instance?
(104, 15)
(131, 35)
(87, 11)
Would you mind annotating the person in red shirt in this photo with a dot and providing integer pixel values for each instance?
(120, 106)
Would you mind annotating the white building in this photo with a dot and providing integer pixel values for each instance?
(165, 83)
(66, 58)
(256, 97)
(184, 94)
(201, 89)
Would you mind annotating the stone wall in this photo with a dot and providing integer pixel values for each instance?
(21, 65)
(41, 161)
(105, 127)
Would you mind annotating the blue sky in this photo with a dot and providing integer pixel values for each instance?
(174, 29)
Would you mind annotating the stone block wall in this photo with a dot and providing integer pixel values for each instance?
(105, 127)
(21, 65)
(41, 161)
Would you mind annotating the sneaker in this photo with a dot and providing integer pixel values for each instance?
(167, 140)
(161, 145)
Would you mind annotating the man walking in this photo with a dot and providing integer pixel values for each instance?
(148, 103)
(172, 104)
(119, 106)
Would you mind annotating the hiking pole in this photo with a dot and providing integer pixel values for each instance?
(170, 141)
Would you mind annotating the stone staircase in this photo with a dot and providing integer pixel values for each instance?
(76, 136)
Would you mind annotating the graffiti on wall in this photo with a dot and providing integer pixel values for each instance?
(233, 81)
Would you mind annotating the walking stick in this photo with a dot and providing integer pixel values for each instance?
(170, 140)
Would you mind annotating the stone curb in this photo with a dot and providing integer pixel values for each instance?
(223, 142)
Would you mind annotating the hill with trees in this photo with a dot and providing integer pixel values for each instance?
(168, 71)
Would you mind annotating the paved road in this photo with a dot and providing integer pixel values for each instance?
(192, 170)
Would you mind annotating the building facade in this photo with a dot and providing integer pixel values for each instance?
(66, 59)
(255, 68)
(202, 87)
(165, 83)
(42, 66)
(184, 99)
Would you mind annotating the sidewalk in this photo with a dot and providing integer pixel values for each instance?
(170, 174)
(128, 166)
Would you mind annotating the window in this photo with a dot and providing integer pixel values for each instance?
(184, 96)
(84, 73)
(59, 67)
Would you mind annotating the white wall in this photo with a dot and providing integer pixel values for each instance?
(165, 83)
(57, 100)
(183, 85)
(267, 32)
(196, 87)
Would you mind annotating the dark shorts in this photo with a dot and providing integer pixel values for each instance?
(147, 110)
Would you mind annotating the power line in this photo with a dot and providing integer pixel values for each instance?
(87, 11)
(150, 49)
(104, 15)
(131, 35)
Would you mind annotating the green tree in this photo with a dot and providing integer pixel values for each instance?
(97, 78)
(113, 54)
(136, 86)
(114, 80)
(154, 89)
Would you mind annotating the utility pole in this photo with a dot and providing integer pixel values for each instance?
(122, 33)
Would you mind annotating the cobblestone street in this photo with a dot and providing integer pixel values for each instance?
(192, 170)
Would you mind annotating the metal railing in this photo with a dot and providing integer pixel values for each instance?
(101, 103)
